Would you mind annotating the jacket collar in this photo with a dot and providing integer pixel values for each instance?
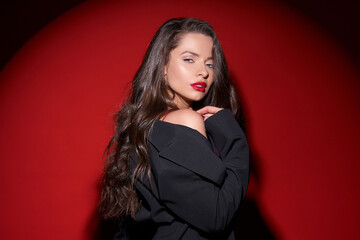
(188, 148)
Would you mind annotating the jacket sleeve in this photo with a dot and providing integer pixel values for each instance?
(199, 187)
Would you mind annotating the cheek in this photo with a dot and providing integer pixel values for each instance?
(178, 74)
(183, 71)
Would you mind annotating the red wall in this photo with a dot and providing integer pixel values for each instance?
(299, 90)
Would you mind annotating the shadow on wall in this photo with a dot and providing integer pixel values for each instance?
(98, 228)
(106, 230)
(250, 223)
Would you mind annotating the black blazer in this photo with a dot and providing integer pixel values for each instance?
(197, 184)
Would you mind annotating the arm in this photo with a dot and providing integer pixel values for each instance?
(202, 203)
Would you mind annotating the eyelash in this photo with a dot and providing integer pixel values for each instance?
(192, 61)
(189, 60)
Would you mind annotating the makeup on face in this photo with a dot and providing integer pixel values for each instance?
(190, 70)
(199, 86)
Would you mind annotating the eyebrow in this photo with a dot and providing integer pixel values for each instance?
(197, 55)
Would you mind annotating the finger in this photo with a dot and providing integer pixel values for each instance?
(208, 109)
(203, 110)
(206, 116)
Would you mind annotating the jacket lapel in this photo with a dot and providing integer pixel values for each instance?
(188, 148)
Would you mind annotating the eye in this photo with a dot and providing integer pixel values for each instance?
(210, 65)
(188, 60)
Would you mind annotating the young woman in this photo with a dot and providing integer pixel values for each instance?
(177, 165)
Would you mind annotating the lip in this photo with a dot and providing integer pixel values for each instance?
(199, 86)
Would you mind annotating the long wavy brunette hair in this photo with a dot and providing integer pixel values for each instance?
(149, 99)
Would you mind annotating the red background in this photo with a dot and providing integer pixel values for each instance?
(300, 94)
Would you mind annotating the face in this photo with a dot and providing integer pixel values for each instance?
(190, 70)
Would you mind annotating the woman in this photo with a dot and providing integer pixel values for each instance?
(177, 165)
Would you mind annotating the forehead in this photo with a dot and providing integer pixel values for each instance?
(195, 42)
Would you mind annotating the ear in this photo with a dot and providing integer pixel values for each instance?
(165, 71)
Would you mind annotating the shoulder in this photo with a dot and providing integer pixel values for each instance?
(188, 118)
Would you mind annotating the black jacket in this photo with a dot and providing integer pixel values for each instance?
(197, 184)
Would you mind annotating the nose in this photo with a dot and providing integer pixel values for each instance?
(202, 71)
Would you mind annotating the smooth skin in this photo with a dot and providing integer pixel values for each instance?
(190, 62)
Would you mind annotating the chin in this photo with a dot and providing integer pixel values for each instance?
(199, 97)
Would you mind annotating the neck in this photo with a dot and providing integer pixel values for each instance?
(182, 103)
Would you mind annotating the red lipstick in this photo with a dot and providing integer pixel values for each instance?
(199, 86)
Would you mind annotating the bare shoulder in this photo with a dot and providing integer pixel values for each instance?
(188, 118)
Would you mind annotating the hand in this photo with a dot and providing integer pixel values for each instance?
(208, 111)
